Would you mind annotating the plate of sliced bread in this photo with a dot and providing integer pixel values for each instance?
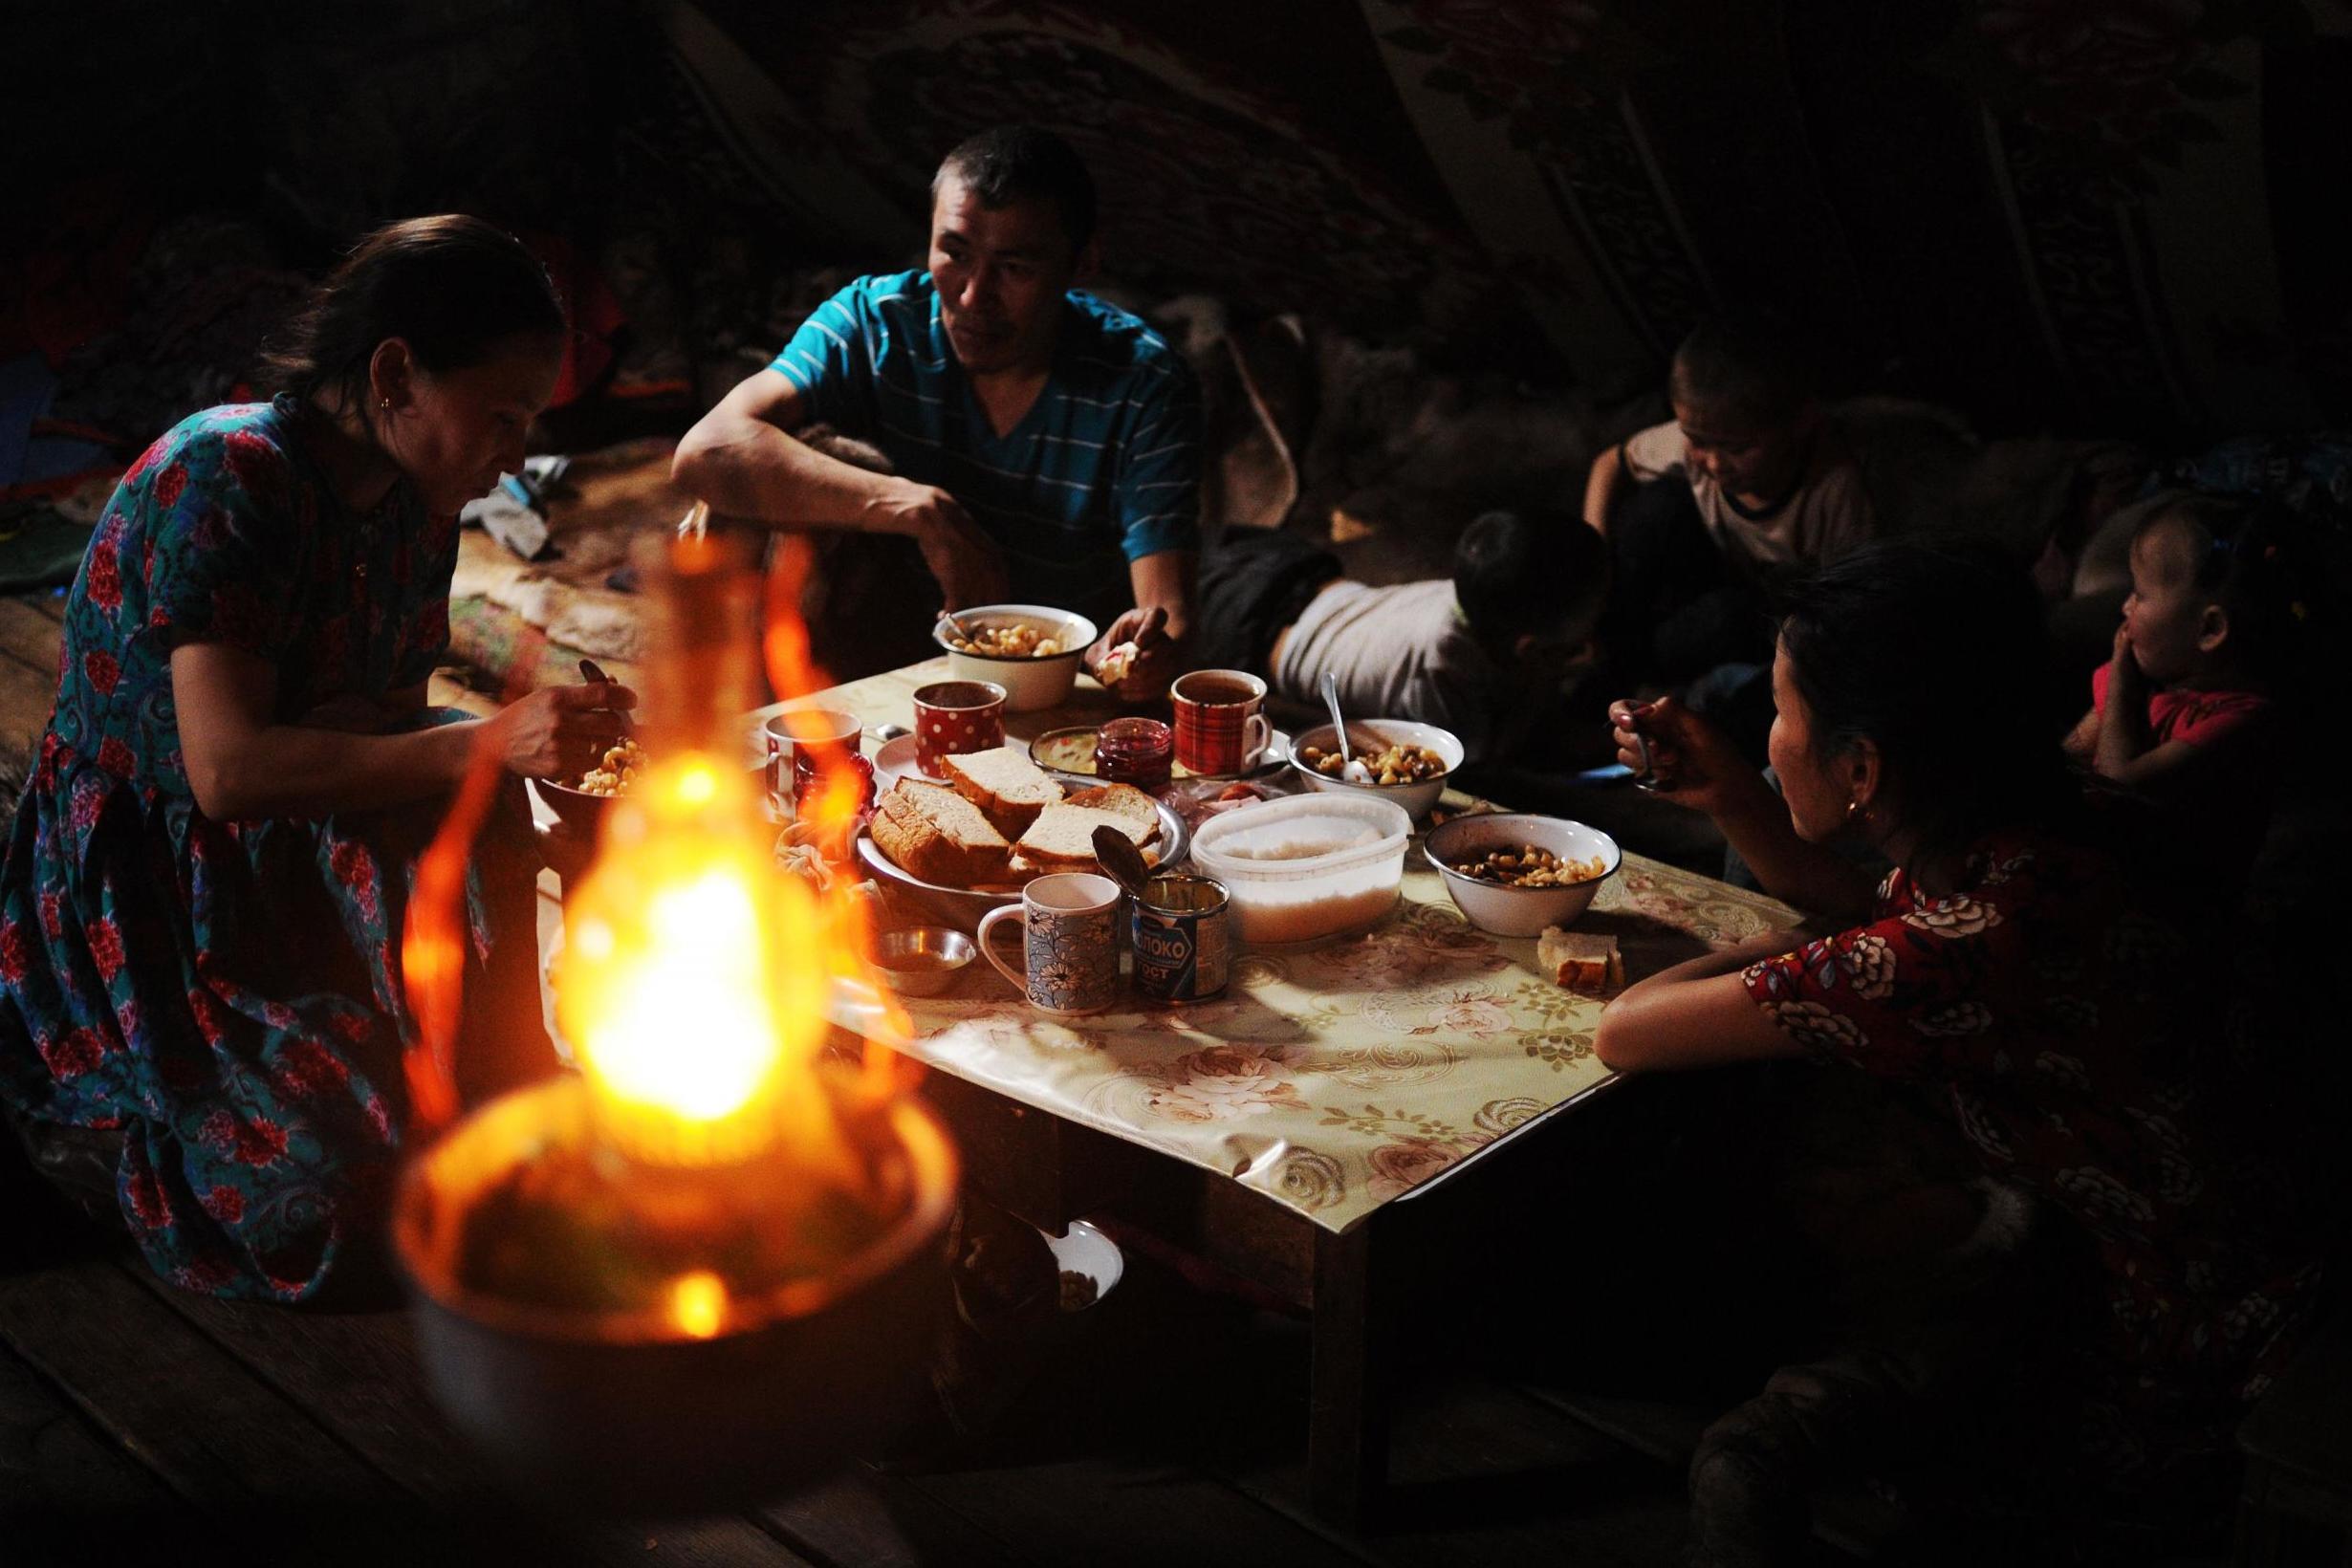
(966, 846)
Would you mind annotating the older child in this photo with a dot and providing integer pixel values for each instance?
(1474, 653)
(1748, 481)
(2180, 710)
(2010, 974)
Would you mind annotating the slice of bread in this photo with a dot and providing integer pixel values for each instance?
(1009, 789)
(1123, 800)
(936, 836)
(1062, 839)
(1578, 961)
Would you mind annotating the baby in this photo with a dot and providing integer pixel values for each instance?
(2180, 711)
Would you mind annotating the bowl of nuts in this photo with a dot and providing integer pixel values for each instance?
(1513, 874)
(579, 803)
(1395, 759)
(1032, 650)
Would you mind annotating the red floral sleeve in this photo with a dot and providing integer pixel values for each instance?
(1916, 994)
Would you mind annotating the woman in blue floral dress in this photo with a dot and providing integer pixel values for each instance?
(201, 903)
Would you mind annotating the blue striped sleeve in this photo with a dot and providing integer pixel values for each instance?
(1160, 468)
(828, 361)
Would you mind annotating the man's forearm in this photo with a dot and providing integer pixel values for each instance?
(1165, 580)
(747, 468)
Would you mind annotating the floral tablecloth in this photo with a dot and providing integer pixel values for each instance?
(1332, 1079)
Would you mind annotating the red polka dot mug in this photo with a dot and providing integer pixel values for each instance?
(954, 717)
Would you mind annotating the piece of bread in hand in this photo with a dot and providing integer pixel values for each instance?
(1116, 664)
(1062, 839)
(1125, 801)
(1581, 962)
(934, 834)
(1005, 784)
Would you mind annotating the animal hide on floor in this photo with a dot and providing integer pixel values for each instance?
(610, 500)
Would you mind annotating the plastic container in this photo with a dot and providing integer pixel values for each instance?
(1306, 867)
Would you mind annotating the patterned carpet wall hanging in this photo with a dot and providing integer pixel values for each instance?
(2070, 215)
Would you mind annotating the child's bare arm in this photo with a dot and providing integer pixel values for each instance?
(1600, 487)
(2161, 768)
(2081, 742)
(2124, 732)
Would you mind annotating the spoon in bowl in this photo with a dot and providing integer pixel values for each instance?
(1338, 729)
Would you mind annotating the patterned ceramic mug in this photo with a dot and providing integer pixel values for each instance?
(1070, 943)
(1219, 728)
(804, 725)
(954, 717)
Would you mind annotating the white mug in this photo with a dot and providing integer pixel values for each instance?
(1070, 943)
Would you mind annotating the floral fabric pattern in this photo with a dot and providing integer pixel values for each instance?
(1333, 1079)
(224, 992)
(2062, 1028)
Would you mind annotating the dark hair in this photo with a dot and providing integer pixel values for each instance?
(1937, 654)
(452, 287)
(2244, 550)
(1756, 367)
(1011, 163)
(1542, 574)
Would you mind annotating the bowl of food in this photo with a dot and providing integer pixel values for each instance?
(1032, 650)
(1393, 759)
(922, 960)
(1515, 874)
(579, 803)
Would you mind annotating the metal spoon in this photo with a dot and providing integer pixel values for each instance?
(1646, 777)
(1331, 700)
(957, 626)
(1121, 859)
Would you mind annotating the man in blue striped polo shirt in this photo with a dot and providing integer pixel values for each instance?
(1045, 444)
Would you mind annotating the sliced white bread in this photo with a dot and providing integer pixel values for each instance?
(1578, 961)
(1123, 800)
(1005, 784)
(1062, 839)
(936, 836)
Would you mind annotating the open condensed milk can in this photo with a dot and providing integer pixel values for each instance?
(1183, 947)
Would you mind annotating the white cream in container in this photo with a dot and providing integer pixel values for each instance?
(1306, 867)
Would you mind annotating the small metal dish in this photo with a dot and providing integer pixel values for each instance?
(922, 960)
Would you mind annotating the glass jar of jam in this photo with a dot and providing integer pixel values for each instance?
(1137, 752)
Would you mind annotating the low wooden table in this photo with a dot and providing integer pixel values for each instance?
(1295, 1130)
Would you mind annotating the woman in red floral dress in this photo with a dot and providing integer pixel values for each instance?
(2008, 970)
(201, 904)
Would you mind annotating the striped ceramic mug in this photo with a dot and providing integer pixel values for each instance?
(1219, 728)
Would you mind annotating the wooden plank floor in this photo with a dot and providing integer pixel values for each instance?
(1166, 1429)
